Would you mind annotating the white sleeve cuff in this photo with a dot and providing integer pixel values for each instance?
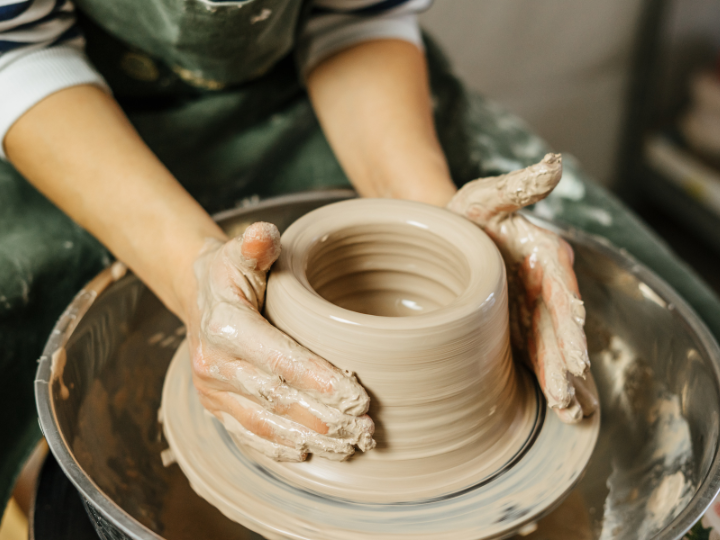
(34, 76)
(328, 34)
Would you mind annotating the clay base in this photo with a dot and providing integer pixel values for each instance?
(375, 477)
(256, 496)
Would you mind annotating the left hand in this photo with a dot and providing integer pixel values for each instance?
(546, 312)
(270, 393)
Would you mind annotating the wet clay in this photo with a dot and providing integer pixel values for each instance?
(413, 300)
(549, 314)
(249, 374)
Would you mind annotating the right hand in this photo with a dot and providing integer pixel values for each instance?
(547, 315)
(269, 392)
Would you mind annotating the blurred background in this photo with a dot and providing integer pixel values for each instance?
(561, 65)
(630, 87)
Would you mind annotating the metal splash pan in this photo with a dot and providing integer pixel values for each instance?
(653, 473)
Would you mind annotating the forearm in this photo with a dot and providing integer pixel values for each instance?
(374, 105)
(78, 148)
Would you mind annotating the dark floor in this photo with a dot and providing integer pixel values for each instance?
(704, 259)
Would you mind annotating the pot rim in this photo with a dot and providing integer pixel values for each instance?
(485, 282)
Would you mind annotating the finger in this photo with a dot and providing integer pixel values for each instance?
(244, 437)
(586, 393)
(585, 402)
(548, 362)
(568, 315)
(277, 397)
(277, 429)
(487, 198)
(260, 245)
(571, 397)
(546, 272)
(572, 414)
(238, 273)
(245, 334)
(560, 294)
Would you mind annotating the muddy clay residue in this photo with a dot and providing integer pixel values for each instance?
(649, 490)
(118, 440)
(416, 306)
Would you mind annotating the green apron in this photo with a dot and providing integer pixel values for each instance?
(187, 74)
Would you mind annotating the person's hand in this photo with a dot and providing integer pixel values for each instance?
(269, 392)
(546, 312)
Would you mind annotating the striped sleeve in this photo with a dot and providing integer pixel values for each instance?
(41, 52)
(337, 24)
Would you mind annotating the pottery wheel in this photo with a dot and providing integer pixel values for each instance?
(465, 446)
(248, 489)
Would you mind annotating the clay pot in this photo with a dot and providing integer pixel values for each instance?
(413, 300)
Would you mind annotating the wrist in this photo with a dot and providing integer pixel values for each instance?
(426, 182)
(437, 191)
(185, 278)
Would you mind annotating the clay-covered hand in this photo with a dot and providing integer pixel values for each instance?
(546, 313)
(268, 391)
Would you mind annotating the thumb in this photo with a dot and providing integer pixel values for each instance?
(260, 247)
(244, 262)
(487, 198)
